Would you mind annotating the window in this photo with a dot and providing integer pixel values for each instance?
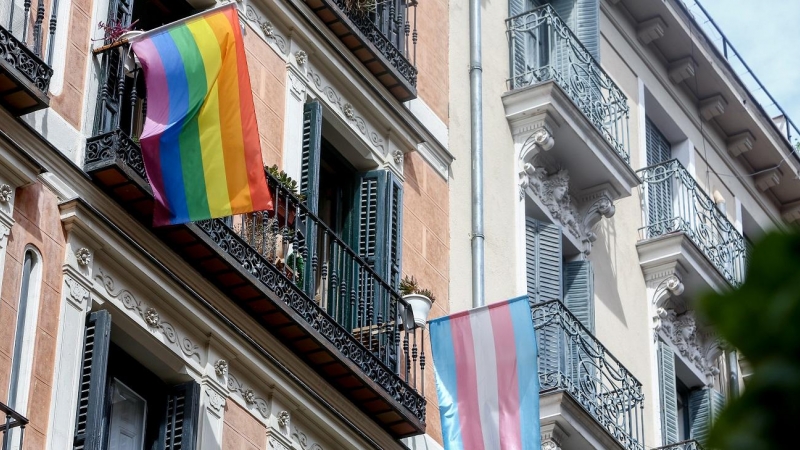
(123, 405)
(25, 332)
(363, 209)
(686, 413)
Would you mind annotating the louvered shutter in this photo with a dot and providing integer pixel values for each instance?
(394, 228)
(587, 25)
(309, 186)
(579, 291)
(91, 417)
(659, 190)
(179, 427)
(371, 201)
(669, 394)
(309, 163)
(543, 260)
(704, 407)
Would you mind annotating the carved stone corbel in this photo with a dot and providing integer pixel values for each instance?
(598, 205)
(552, 436)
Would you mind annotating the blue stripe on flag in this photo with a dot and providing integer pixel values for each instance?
(527, 373)
(446, 382)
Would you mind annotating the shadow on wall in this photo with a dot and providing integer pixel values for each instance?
(606, 275)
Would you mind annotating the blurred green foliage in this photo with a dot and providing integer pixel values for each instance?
(762, 320)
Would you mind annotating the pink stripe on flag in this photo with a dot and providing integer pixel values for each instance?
(468, 407)
(155, 122)
(510, 423)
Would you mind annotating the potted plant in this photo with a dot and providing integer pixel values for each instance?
(290, 185)
(420, 300)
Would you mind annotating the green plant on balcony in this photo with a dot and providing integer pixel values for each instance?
(361, 6)
(420, 300)
(286, 181)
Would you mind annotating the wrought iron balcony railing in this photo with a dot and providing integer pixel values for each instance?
(685, 445)
(288, 249)
(542, 48)
(12, 420)
(572, 360)
(27, 43)
(674, 202)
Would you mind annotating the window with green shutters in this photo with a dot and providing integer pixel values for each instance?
(704, 408)
(668, 398)
(579, 291)
(659, 191)
(543, 260)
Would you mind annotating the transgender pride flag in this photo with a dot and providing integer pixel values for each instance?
(486, 377)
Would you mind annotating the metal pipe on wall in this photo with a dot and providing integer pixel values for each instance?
(476, 135)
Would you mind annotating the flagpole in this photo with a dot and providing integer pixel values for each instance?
(157, 30)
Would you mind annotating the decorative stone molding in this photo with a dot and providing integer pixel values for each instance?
(5, 231)
(303, 440)
(550, 185)
(83, 256)
(149, 315)
(668, 287)
(552, 436)
(335, 99)
(283, 419)
(740, 143)
(682, 69)
(301, 57)
(275, 444)
(221, 368)
(267, 28)
(216, 402)
(77, 293)
(248, 395)
(712, 107)
(767, 179)
(297, 83)
(650, 30)
(398, 157)
(700, 348)
(6, 192)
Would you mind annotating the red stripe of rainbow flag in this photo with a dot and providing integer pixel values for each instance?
(200, 140)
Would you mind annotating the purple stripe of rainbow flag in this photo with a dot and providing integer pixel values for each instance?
(487, 380)
(200, 140)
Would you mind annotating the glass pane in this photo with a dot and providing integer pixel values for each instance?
(128, 412)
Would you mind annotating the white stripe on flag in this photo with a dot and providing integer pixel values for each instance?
(486, 371)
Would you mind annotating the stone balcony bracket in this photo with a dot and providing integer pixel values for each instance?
(650, 30)
(712, 107)
(682, 69)
(553, 435)
(769, 178)
(791, 212)
(740, 143)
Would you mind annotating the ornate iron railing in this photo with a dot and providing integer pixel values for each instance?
(685, 445)
(295, 255)
(25, 43)
(390, 25)
(12, 420)
(542, 48)
(674, 202)
(572, 360)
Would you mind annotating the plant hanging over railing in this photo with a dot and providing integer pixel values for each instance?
(113, 30)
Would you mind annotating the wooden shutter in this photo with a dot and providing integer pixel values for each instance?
(579, 291)
(669, 394)
(543, 260)
(587, 25)
(659, 190)
(704, 407)
(371, 203)
(309, 163)
(179, 426)
(394, 228)
(91, 418)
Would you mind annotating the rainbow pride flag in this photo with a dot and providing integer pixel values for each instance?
(487, 381)
(200, 140)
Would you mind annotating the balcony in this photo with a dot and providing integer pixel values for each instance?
(382, 34)
(685, 445)
(684, 227)
(556, 85)
(12, 420)
(25, 71)
(284, 267)
(583, 388)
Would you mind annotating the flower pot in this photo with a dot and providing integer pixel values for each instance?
(420, 307)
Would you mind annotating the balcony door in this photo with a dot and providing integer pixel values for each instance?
(659, 193)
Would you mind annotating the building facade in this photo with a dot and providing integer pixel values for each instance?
(277, 329)
(627, 168)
